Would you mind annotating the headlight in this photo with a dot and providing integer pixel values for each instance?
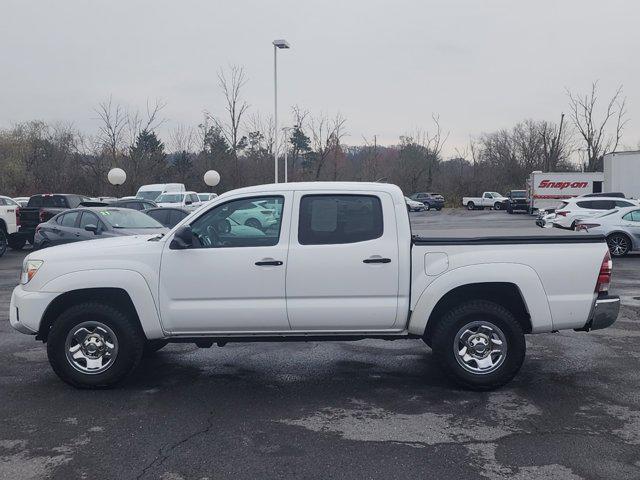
(29, 269)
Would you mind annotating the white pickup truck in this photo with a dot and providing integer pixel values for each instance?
(493, 200)
(339, 264)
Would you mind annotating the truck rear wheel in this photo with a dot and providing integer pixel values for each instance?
(16, 242)
(479, 344)
(94, 345)
(471, 206)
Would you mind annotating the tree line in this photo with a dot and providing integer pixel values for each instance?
(36, 157)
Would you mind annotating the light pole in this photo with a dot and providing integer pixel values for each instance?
(286, 131)
(282, 44)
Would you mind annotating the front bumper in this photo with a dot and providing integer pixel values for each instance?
(604, 312)
(27, 309)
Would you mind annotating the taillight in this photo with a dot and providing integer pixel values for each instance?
(604, 277)
(561, 213)
(17, 216)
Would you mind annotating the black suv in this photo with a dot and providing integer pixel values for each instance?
(430, 200)
(517, 201)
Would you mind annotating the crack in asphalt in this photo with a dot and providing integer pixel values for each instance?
(164, 452)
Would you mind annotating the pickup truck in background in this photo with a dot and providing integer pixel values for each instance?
(9, 221)
(40, 209)
(492, 200)
(340, 263)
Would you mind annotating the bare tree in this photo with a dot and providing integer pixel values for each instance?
(151, 120)
(113, 121)
(182, 139)
(326, 136)
(231, 84)
(601, 135)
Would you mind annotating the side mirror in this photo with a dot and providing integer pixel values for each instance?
(182, 239)
(92, 228)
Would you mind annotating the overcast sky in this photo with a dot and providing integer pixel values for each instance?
(385, 65)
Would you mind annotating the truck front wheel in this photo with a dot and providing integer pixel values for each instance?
(479, 344)
(94, 345)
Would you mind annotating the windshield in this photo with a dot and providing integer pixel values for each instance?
(148, 194)
(518, 194)
(170, 198)
(127, 218)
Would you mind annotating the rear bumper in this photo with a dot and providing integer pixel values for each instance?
(604, 313)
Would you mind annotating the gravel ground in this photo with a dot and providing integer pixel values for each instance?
(367, 409)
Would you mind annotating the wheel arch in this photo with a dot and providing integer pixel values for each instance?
(516, 286)
(125, 289)
(116, 297)
(505, 294)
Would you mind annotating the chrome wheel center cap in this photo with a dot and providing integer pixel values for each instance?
(479, 344)
(93, 345)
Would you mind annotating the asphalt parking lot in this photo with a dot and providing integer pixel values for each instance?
(366, 409)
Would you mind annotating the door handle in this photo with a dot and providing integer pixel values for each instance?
(377, 260)
(265, 263)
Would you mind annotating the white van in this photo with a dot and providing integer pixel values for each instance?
(153, 191)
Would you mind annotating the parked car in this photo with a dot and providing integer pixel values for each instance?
(153, 191)
(621, 227)
(545, 218)
(9, 212)
(22, 201)
(493, 200)
(205, 197)
(92, 223)
(414, 205)
(340, 263)
(573, 209)
(516, 201)
(189, 200)
(430, 200)
(134, 203)
(259, 214)
(168, 216)
(41, 208)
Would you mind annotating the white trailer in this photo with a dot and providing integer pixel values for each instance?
(622, 173)
(547, 190)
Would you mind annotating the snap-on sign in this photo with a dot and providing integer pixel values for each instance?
(562, 185)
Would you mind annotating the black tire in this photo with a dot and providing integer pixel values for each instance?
(427, 207)
(17, 242)
(445, 344)
(3, 243)
(152, 346)
(471, 206)
(497, 206)
(619, 244)
(252, 222)
(510, 210)
(438, 208)
(129, 342)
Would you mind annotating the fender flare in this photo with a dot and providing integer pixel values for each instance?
(132, 282)
(522, 276)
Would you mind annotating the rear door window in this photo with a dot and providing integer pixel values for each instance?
(339, 219)
(69, 219)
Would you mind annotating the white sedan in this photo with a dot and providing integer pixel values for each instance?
(580, 208)
(414, 205)
(621, 227)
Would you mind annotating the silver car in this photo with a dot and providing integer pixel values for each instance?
(620, 226)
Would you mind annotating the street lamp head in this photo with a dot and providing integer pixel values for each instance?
(281, 44)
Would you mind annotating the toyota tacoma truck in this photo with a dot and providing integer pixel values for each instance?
(339, 264)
